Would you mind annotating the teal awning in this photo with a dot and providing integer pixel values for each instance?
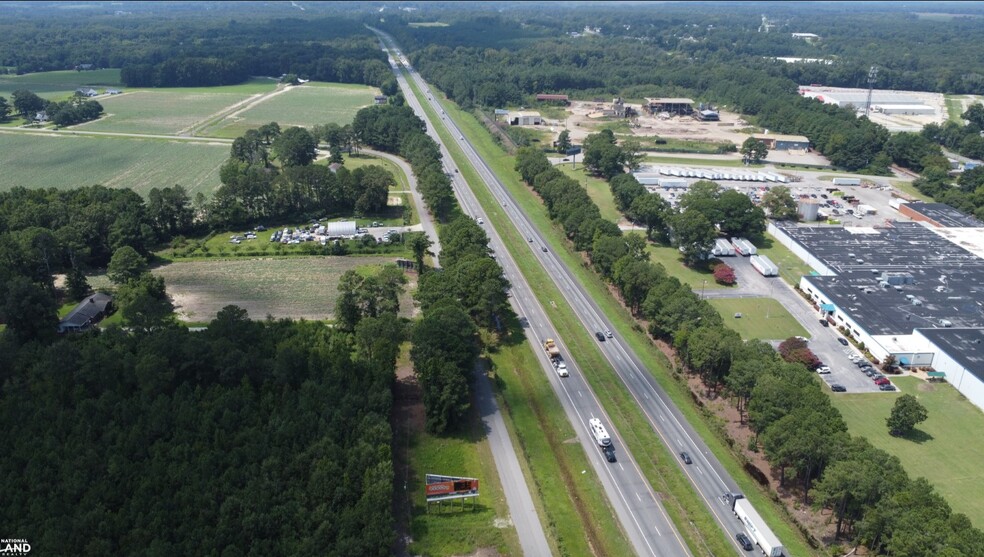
(828, 307)
(936, 374)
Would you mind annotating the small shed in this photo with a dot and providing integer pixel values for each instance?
(89, 312)
(525, 119)
(379, 99)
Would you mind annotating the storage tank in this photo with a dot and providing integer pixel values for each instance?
(808, 210)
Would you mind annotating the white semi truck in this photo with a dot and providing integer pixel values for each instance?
(757, 529)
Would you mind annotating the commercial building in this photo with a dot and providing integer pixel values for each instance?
(884, 99)
(546, 97)
(939, 215)
(780, 142)
(911, 109)
(525, 118)
(905, 290)
(670, 105)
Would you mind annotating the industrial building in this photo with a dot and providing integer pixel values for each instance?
(904, 290)
(780, 142)
(910, 109)
(525, 118)
(670, 105)
(553, 98)
(884, 99)
(939, 215)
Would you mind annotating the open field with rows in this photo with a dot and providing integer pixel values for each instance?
(296, 287)
(161, 111)
(938, 449)
(305, 105)
(64, 162)
(56, 85)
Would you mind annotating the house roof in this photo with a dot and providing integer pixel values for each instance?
(87, 309)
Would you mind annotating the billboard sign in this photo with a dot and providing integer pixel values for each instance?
(440, 488)
(501, 112)
(574, 151)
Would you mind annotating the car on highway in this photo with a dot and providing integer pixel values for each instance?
(838, 388)
(608, 333)
(600, 336)
(685, 458)
(529, 238)
(561, 368)
(609, 452)
(543, 249)
(886, 387)
(480, 221)
(744, 542)
(842, 340)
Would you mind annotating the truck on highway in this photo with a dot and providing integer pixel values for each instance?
(599, 432)
(551, 348)
(757, 529)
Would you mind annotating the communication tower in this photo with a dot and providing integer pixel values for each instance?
(872, 77)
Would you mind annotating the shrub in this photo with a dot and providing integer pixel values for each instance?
(724, 274)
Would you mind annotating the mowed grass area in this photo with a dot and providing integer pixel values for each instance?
(64, 162)
(791, 267)
(761, 318)
(598, 190)
(946, 449)
(294, 287)
(303, 105)
(697, 279)
(954, 108)
(705, 163)
(55, 85)
(908, 188)
(161, 111)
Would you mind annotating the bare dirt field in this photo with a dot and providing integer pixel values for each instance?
(893, 122)
(292, 287)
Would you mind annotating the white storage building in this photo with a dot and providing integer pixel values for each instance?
(340, 229)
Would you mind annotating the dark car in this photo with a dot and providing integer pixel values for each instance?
(886, 387)
(600, 336)
(838, 388)
(543, 249)
(744, 542)
(842, 340)
(609, 452)
(824, 323)
(686, 458)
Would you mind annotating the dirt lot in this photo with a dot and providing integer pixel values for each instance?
(293, 287)
(893, 122)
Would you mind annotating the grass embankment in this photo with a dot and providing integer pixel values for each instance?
(938, 449)
(686, 509)
(954, 108)
(699, 279)
(659, 466)
(761, 318)
(908, 189)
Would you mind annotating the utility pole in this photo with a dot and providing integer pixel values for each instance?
(872, 77)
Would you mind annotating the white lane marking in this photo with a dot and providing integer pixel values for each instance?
(699, 471)
(646, 394)
(655, 527)
(639, 498)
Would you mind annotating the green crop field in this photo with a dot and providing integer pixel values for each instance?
(761, 318)
(305, 105)
(295, 287)
(161, 111)
(54, 85)
(64, 161)
(946, 449)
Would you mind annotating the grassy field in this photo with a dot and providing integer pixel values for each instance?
(64, 162)
(54, 85)
(659, 466)
(908, 188)
(946, 449)
(670, 258)
(161, 111)
(791, 267)
(305, 105)
(761, 318)
(707, 163)
(954, 108)
(296, 287)
(597, 188)
(355, 161)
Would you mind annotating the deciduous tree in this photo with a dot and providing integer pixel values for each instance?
(906, 414)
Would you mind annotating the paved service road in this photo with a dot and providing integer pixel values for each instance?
(426, 221)
(636, 505)
(706, 474)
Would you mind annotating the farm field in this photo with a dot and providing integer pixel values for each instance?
(305, 105)
(295, 287)
(946, 449)
(65, 162)
(55, 85)
(761, 318)
(161, 111)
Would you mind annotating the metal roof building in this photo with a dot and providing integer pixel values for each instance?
(341, 228)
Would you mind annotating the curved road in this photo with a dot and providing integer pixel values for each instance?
(706, 474)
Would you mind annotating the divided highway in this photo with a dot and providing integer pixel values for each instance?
(706, 473)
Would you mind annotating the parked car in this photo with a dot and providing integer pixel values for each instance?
(837, 388)
(824, 323)
(823, 370)
(842, 340)
(886, 387)
(882, 381)
(600, 336)
(686, 458)
(744, 542)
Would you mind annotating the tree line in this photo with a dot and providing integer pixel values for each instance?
(28, 104)
(800, 432)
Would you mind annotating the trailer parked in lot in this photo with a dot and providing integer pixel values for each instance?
(847, 181)
(743, 246)
(723, 248)
(764, 265)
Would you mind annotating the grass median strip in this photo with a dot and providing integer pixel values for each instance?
(675, 485)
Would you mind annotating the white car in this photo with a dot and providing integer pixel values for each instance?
(562, 369)
(823, 370)
(480, 221)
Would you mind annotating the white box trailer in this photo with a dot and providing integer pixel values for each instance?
(672, 183)
(599, 432)
(757, 529)
(764, 265)
(743, 246)
(895, 202)
(847, 181)
(723, 248)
